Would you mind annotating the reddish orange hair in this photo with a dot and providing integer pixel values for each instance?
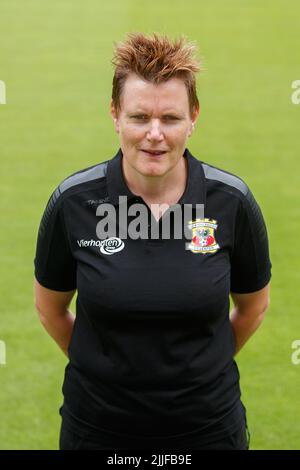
(155, 59)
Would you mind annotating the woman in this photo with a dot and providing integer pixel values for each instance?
(151, 350)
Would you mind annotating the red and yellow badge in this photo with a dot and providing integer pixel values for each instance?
(203, 236)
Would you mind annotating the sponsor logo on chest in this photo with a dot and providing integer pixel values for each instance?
(107, 247)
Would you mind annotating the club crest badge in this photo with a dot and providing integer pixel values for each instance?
(203, 236)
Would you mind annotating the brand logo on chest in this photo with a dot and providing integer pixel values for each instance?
(203, 236)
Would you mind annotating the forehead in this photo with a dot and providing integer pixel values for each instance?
(140, 93)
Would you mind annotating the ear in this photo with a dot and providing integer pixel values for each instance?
(194, 118)
(114, 115)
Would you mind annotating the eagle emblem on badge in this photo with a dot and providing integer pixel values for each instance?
(203, 236)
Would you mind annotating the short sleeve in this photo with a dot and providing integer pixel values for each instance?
(250, 260)
(55, 267)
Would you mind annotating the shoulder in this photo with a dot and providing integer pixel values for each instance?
(224, 180)
(83, 183)
(218, 179)
(81, 180)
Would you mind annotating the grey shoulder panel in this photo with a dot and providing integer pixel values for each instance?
(249, 202)
(213, 173)
(90, 174)
(48, 211)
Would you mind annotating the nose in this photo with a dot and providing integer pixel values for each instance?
(154, 132)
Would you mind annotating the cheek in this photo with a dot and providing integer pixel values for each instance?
(132, 134)
(178, 135)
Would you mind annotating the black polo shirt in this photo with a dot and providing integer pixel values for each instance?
(152, 347)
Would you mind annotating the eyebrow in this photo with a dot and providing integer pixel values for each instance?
(166, 113)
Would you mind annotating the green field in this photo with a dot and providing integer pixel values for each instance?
(55, 61)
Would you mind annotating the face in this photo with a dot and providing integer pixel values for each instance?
(153, 118)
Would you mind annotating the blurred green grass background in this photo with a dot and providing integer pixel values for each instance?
(55, 60)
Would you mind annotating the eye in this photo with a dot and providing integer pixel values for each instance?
(139, 116)
(170, 118)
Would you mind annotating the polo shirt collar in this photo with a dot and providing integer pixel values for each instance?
(195, 191)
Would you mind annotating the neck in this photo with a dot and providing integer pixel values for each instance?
(158, 189)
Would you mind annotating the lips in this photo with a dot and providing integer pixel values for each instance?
(154, 153)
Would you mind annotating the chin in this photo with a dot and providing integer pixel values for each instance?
(153, 170)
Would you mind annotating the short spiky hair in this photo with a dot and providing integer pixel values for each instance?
(155, 59)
